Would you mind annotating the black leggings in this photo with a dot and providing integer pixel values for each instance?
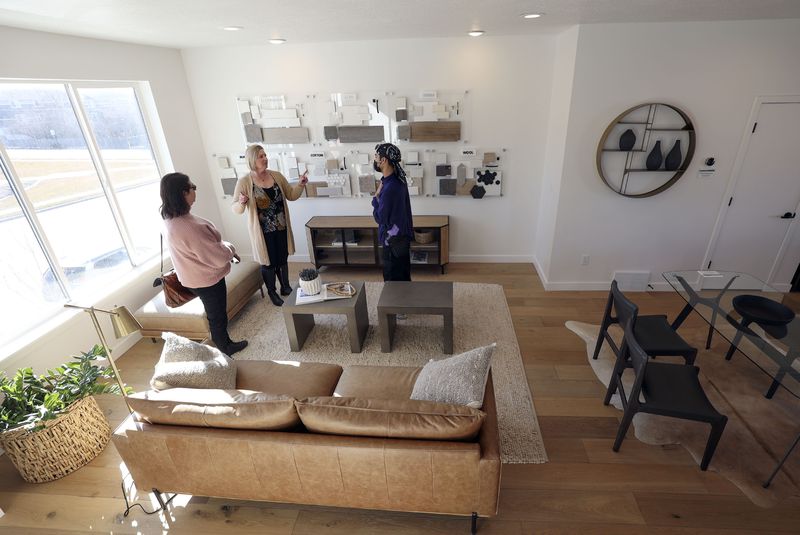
(215, 301)
(397, 260)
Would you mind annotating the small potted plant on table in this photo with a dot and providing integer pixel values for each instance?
(309, 281)
(51, 425)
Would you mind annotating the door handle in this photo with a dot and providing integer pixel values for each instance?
(788, 215)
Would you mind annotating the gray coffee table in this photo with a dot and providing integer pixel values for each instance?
(300, 318)
(435, 298)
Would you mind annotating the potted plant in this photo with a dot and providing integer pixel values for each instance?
(50, 425)
(309, 281)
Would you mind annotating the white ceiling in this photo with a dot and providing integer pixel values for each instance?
(197, 23)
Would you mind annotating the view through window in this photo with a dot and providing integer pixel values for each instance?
(78, 195)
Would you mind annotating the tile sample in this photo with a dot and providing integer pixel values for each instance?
(360, 134)
(401, 114)
(247, 118)
(341, 182)
(404, 131)
(447, 186)
(413, 190)
(489, 158)
(289, 113)
(228, 172)
(465, 188)
(328, 191)
(332, 164)
(348, 99)
(366, 183)
(253, 134)
(311, 188)
(362, 158)
(477, 192)
(443, 170)
(291, 161)
(228, 185)
(414, 171)
(243, 105)
(331, 132)
(427, 131)
(440, 158)
(285, 135)
(490, 179)
(223, 162)
(461, 173)
(255, 112)
(399, 102)
(411, 156)
(294, 173)
(280, 122)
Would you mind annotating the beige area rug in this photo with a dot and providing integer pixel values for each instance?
(481, 316)
(758, 432)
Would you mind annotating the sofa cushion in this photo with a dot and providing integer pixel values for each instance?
(203, 407)
(389, 418)
(289, 378)
(189, 364)
(460, 379)
(376, 382)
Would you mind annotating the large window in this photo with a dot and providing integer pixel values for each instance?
(78, 195)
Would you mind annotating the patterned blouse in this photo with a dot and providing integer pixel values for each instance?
(269, 202)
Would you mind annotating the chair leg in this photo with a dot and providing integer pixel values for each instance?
(627, 418)
(710, 332)
(613, 383)
(713, 439)
(690, 357)
(601, 336)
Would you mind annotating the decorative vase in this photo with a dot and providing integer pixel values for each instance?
(627, 140)
(673, 159)
(312, 287)
(655, 157)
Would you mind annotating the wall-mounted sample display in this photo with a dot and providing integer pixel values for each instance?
(273, 120)
(490, 180)
(630, 155)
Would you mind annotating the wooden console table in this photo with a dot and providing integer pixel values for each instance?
(353, 241)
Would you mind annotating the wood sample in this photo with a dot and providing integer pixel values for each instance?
(311, 188)
(331, 132)
(422, 131)
(286, 136)
(360, 134)
(464, 189)
(489, 158)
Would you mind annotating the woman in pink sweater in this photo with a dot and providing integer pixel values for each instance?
(200, 257)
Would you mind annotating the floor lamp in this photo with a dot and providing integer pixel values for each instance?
(124, 324)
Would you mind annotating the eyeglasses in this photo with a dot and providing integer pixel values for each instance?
(193, 187)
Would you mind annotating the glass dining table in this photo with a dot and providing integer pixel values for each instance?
(753, 318)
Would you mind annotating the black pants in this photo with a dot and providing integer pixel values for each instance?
(215, 301)
(397, 260)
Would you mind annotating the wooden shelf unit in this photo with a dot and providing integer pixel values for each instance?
(327, 245)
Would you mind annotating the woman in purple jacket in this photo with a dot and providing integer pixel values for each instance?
(200, 257)
(391, 208)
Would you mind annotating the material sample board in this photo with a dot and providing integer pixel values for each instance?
(360, 134)
(285, 136)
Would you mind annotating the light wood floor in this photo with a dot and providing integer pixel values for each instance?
(585, 488)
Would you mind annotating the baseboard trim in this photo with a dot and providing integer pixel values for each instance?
(539, 271)
(456, 259)
(590, 286)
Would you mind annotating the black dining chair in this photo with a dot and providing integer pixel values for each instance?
(668, 389)
(654, 333)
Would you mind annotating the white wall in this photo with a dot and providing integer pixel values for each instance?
(509, 79)
(713, 71)
(40, 55)
(561, 99)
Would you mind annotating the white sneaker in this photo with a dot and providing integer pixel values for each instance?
(401, 317)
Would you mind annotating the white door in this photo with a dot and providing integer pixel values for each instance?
(766, 195)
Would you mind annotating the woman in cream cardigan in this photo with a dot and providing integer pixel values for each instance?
(264, 193)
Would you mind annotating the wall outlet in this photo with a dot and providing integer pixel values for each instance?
(585, 260)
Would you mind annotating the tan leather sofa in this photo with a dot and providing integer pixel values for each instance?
(458, 477)
(190, 319)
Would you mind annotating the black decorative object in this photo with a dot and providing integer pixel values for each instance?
(673, 159)
(477, 192)
(627, 140)
(655, 157)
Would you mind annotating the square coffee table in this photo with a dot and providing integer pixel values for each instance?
(300, 318)
(435, 298)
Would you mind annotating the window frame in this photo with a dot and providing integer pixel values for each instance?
(159, 153)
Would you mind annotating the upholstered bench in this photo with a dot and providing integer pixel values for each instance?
(190, 320)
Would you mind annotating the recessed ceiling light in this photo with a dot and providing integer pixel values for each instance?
(531, 15)
(277, 41)
(232, 28)
(476, 33)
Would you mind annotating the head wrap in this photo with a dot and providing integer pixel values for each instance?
(392, 153)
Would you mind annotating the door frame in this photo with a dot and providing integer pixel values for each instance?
(738, 163)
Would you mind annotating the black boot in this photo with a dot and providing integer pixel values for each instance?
(283, 278)
(235, 347)
(268, 274)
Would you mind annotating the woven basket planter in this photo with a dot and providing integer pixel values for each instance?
(423, 236)
(64, 445)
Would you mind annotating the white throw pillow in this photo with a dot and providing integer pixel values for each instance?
(460, 379)
(188, 364)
